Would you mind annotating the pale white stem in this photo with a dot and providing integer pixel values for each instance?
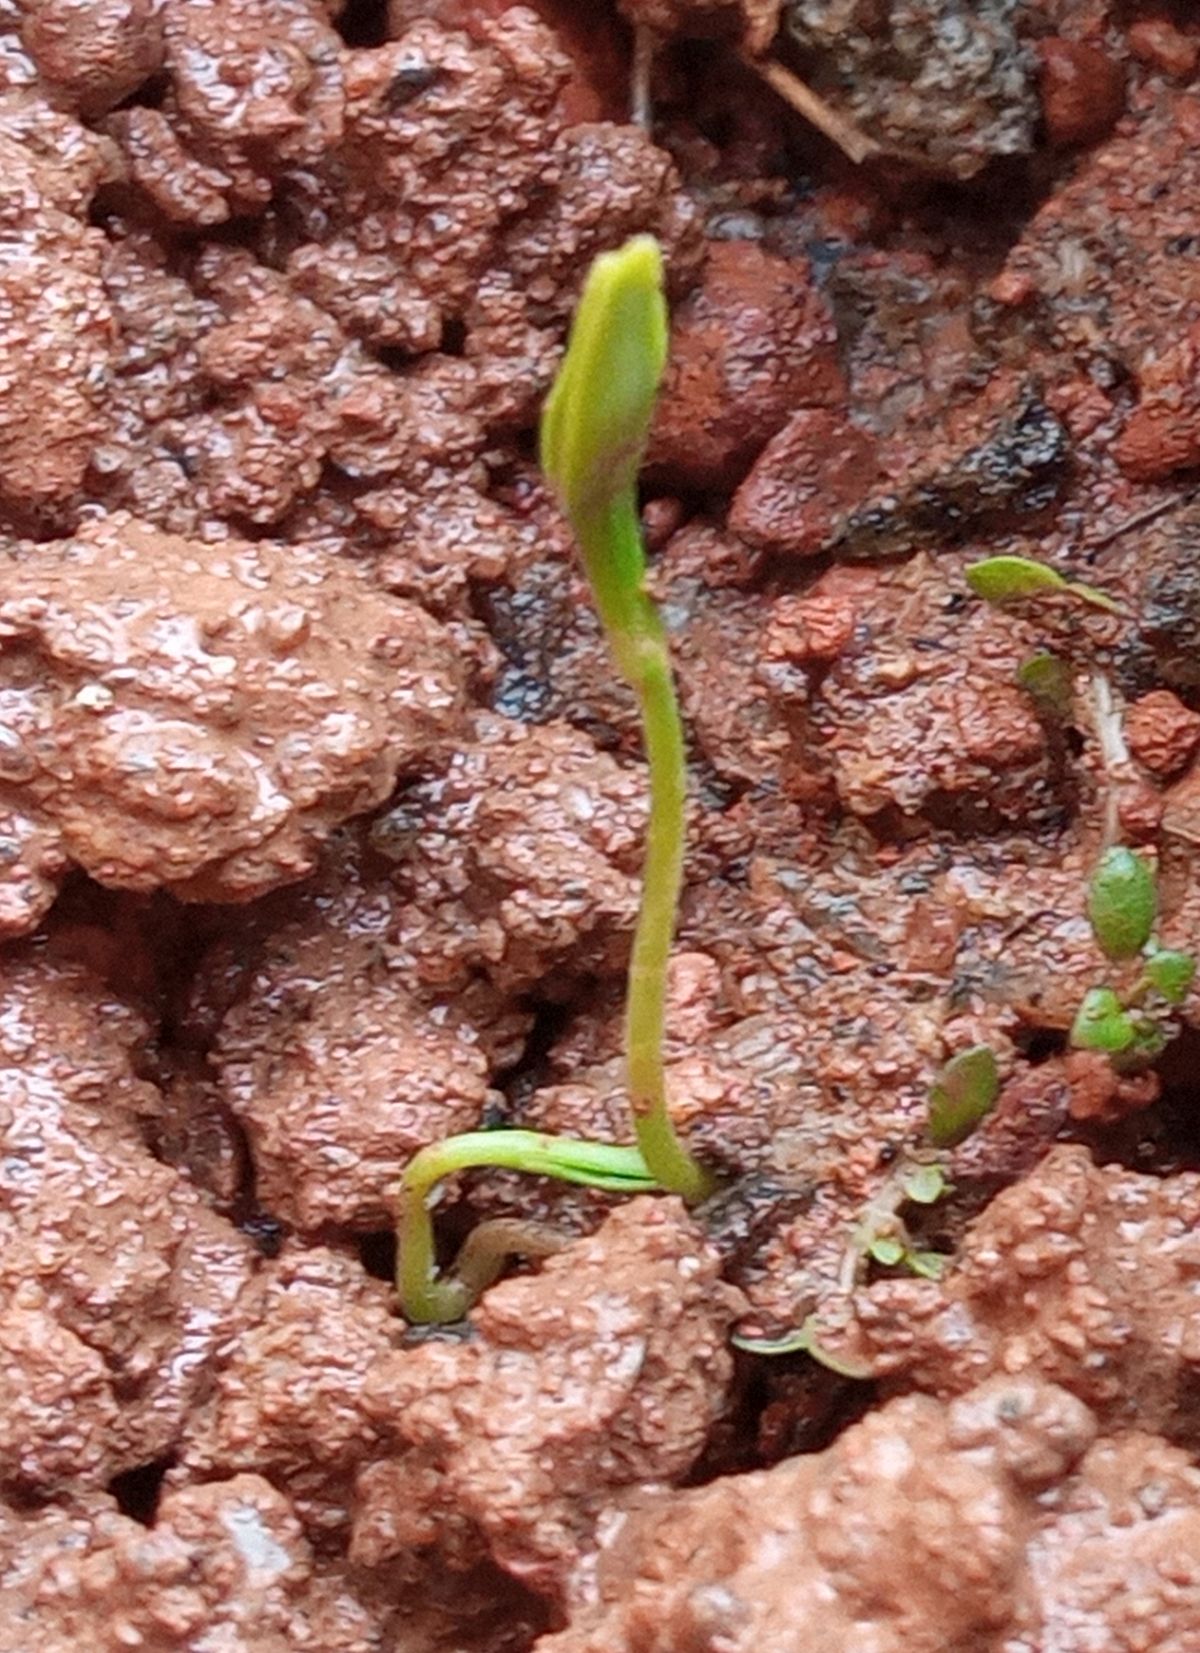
(1114, 753)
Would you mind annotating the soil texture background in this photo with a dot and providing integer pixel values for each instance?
(321, 819)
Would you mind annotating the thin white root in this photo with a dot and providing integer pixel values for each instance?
(1114, 753)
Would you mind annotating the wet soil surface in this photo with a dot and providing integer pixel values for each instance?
(321, 815)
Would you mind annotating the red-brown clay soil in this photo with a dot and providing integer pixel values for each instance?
(321, 814)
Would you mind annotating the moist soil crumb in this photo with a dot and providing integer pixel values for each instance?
(322, 811)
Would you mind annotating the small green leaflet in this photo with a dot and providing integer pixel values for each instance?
(962, 1095)
(1122, 902)
(925, 1184)
(930, 1265)
(1170, 974)
(1102, 1023)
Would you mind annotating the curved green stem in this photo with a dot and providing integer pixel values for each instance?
(639, 645)
(427, 1298)
(662, 881)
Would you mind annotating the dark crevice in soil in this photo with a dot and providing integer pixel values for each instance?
(150, 94)
(265, 1232)
(1166, 1138)
(377, 1254)
(393, 357)
(137, 1490)
(398, 360)
(778, 1406)
(518, 1082)
(454, 337)
(363, 23)
(1039, 1044)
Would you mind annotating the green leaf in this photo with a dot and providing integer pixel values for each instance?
(1008, 579)
(886, 1250)
(597, 417)
(1047, 679)
(1102, 1023)
(962, 1095)
(1170, 974)
(1122, 902)
(930, 1265)
(925, 1184)
(1005, 579)
(589, 1164)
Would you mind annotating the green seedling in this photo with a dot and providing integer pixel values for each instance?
(1134, 1020)
(1010, 579)
(426, 1298)
(892, 1251)
(960, 1098)
(594, 431)
(1132, 1027)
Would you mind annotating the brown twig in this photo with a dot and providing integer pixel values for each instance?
(850, 139)
(641, 106)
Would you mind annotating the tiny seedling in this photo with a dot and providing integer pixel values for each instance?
(594, 431)
(960, 1098)
(1009, 579)
(1132, 1027)
(1133, 1022)
(427, 1298)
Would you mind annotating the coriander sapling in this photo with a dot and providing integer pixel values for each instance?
(1132, 1021)
(1132, 1027)
(594, 431)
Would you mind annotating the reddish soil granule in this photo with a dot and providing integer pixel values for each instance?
(322, 814)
